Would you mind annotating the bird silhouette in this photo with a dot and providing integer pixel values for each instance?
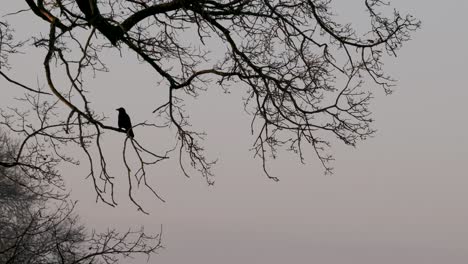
(124, 122)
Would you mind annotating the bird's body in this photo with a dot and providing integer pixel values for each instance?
(124, 122)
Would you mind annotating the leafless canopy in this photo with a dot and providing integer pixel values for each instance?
(304, 71)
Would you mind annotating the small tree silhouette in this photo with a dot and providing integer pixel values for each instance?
(38, 223)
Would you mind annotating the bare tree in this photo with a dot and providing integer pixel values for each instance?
(305, 74)
(40, 226)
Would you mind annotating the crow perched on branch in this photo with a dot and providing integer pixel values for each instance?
(124, 122)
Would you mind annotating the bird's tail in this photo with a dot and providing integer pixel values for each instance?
(130, 133)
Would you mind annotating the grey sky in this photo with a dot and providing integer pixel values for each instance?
(400, 197)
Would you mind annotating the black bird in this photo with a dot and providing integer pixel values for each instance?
(124, 122)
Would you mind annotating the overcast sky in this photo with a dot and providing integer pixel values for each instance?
(398, 198)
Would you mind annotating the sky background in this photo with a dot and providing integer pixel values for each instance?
(398, 198)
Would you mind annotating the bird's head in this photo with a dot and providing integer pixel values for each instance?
(121, 110)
